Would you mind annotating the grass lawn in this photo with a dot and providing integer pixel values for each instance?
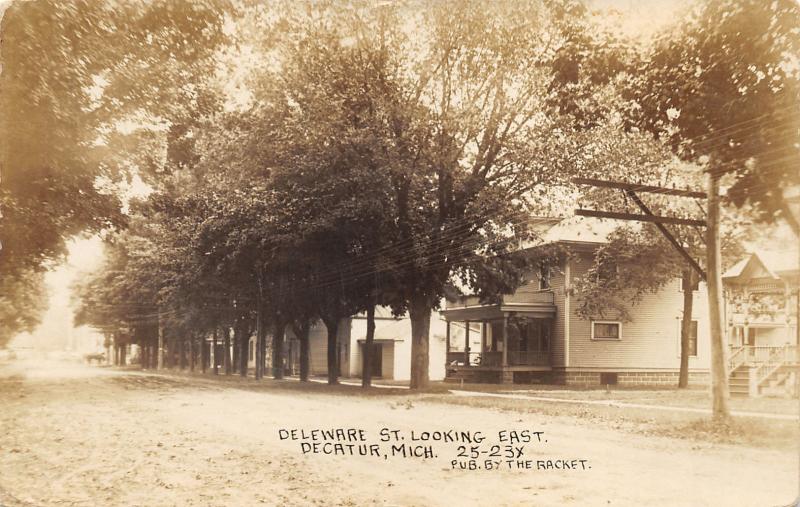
(696, 397)
(751, 431)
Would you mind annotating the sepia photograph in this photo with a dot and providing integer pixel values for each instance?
(399, 253)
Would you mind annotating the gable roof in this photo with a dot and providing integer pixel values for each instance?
(779, 261)
(764, 264)
(750, 267)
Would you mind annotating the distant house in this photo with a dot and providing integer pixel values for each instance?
(535, 335)
(761, 309)
(391, 347)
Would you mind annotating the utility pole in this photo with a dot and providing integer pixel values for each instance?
(719, 374)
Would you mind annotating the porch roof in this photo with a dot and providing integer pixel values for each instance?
(498, 311)
(378, 340)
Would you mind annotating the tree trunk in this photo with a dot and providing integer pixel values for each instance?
(226, 358)
(277, 349)
(192, 353)
(259, 371)
(160, 364)
(302, 334)
(143, 356)
(366, 371)
(123, 351)
(203, 353)
(263, 349)
(109, 359)
(420, 314)
(686, 325)
(235, 352)
(259, 345)
(214, 351)
(173, 352)
(719, 367)
(243, 342)
(167, 352)
(332, 325)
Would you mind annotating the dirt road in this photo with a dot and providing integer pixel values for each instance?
(76, 435)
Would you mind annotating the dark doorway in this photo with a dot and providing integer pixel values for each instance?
(219, 355)
(377, 359)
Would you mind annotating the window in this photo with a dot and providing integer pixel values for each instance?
(544, 277)
(606, 330)
(608, 379)
(692, 338)
(695, 283)
(607, 270)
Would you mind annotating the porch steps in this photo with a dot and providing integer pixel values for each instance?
(779, 383)
(739, 382)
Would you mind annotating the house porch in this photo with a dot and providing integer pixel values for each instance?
(499, 343)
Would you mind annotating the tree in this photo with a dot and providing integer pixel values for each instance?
(121, 297)
(23, 300)
(72, 73)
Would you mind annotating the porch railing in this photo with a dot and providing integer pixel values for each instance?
(736, 358)
(753, 354)
(777, 357)
(458, 358)
(521, 296)
(765, 360)
(515, 358)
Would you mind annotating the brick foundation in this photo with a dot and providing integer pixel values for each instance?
(627, 378)
(577, 378)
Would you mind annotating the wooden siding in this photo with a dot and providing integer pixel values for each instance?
(558, 286)
(650, 341)
(318, 348)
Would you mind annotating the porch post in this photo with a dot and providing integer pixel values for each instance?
(447, 341)
(787, 298)
(746, 326)
(466, 344)
(483, 338)
(505, 340)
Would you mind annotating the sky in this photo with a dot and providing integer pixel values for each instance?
(640, 19)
